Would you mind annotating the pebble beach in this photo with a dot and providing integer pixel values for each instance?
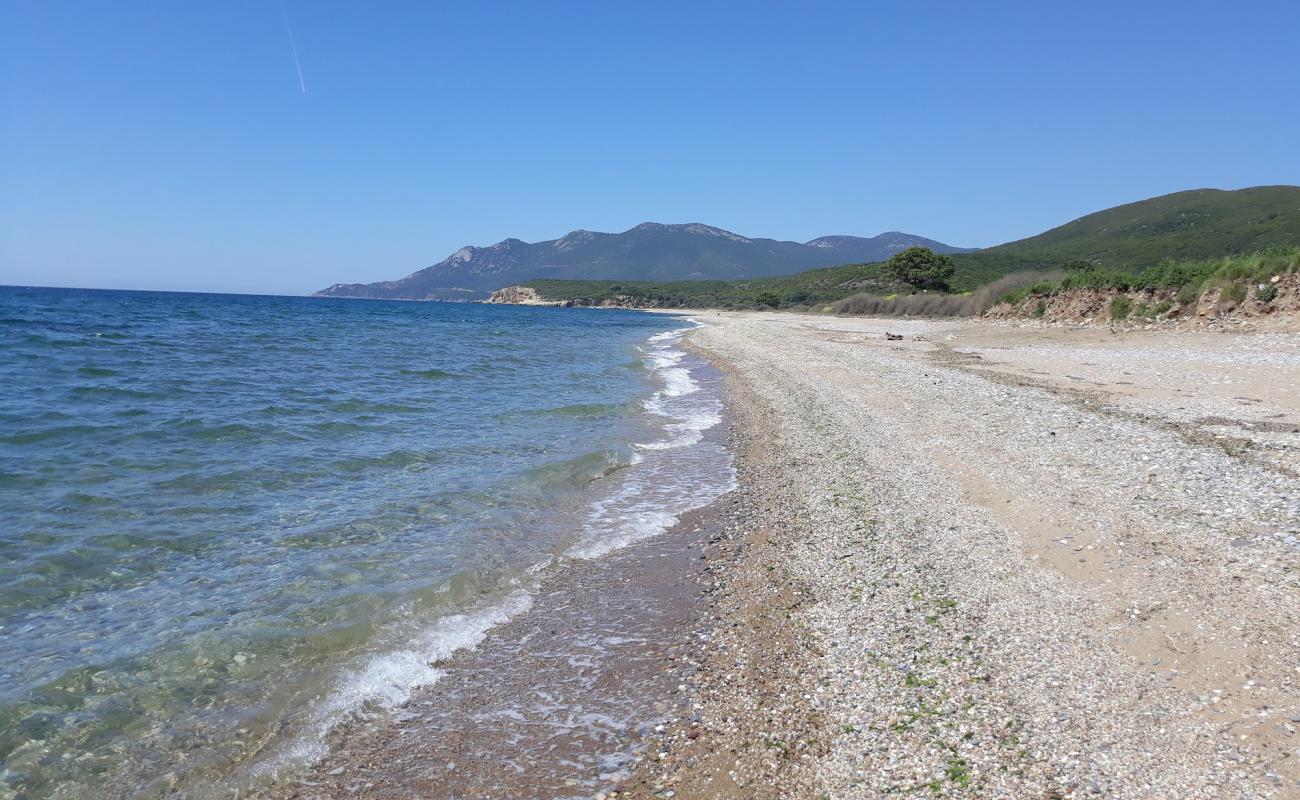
(986, 561)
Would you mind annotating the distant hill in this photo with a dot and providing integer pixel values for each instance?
(1200, 223)
(879, 248)
(650, 251)
(1196, 224)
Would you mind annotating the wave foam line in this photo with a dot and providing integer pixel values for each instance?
(387, 680)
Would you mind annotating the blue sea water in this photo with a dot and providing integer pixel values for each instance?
(231, 522)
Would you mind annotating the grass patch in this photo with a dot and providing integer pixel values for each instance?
(958, 771)
(1233, 293)
(1120, 307)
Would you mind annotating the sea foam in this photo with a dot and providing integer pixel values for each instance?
(679, 472)
(386, 680)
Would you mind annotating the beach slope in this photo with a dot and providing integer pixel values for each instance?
(982, 561)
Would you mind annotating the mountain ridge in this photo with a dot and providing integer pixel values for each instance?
(648, 251)
(1187, 226)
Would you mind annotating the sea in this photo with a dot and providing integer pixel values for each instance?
(232, 525)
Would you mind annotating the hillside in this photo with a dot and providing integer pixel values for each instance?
(1197, 224)
(650, 251)
(1201, 223)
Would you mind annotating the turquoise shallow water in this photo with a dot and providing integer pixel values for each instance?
(219, 510)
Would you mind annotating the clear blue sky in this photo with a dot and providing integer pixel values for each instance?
(169, 145)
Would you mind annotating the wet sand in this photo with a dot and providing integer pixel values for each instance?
(553, 704)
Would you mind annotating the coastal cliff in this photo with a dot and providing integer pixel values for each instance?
(519, 296)
(528, 296)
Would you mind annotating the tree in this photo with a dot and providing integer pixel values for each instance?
(920, 267)
(770, 299)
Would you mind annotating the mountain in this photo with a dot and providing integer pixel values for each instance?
(1196, 224)
(857, 249)
(1200, 223)
(650, 251)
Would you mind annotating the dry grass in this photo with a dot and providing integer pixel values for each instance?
(939, 305)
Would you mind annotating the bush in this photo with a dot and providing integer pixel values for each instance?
(1015, 298)
(1120, 307)
(1188, 295)
(1266, 293)
(1040, 309)
(1098, 279)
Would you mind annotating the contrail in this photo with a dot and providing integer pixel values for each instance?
(294, 46)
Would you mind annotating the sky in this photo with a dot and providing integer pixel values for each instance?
(173, 146)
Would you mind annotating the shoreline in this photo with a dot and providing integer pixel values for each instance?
(558, 702)
(929, 608)
(557, 698)
(976, 562)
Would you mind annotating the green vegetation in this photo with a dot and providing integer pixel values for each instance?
(816, 289)
(919, 267)
(1120, 307)
(1233, 293)
(958, 771)
(1187, 279)
(1194, 225)
(1184, 242)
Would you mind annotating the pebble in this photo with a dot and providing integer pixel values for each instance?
(952, 657)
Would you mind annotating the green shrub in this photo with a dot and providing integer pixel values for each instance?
(1161, 308)
(1040, 309)
(851, 284)
(1017, 297)
(1120, 307)
(1266, 293)
(1188, 295)
(1098, 279)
